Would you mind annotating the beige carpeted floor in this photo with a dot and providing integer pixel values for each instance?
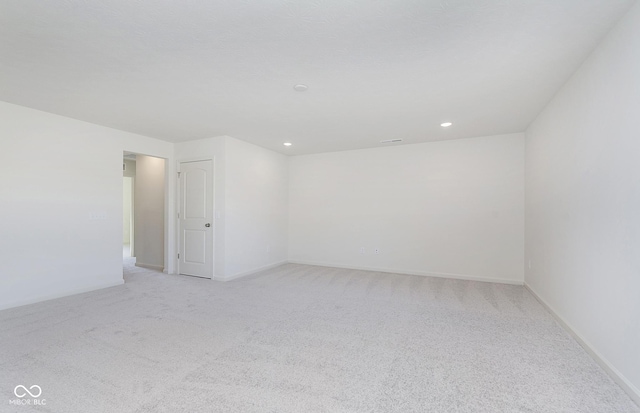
(299, 339)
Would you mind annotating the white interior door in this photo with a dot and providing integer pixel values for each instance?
(195, 216)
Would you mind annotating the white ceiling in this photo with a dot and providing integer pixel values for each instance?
(182, 70)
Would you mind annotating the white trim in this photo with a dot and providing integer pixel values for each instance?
(421, 273)
(150, 266)
(195, 276)
(618, 377)
(48, 297)
(196, 159)
(132, 212)
(253, 271)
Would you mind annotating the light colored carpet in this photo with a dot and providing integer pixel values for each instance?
(300, 339)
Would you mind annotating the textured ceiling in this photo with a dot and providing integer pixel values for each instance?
(190, 69)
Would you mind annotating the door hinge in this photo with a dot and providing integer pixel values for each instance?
(179, 174)
(178, 255)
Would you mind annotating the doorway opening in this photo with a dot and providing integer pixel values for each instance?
(143, 212)
(128, 207)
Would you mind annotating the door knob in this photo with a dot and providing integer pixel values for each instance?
(207, 225)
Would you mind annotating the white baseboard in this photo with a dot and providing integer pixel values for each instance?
(622, 381)
(421, 273)
(150, 266)
(67, 293)
(245, 273)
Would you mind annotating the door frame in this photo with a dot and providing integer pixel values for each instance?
(132, 214)
(169, 198)
(213, 212)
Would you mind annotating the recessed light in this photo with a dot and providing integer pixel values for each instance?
(446, 124)
(287, 144)
(300, 88)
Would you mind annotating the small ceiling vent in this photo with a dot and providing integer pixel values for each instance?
(391, 141)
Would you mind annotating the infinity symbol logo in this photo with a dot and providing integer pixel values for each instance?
(21, 391)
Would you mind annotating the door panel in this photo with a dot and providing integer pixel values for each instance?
(196, 218)
(195, 245)
(195, 205)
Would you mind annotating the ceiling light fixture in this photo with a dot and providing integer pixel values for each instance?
(446, 124)
(288, 144)
(300, 88)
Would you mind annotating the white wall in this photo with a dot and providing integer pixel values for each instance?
(58, 172)
(130, 170)
(583, 202)
(453, 208)
(149, 213)
(256, 199)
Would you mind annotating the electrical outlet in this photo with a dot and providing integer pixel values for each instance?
(98, 216)
(376, 251)
(362, 250)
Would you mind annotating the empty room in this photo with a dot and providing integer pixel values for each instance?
(320, 206)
